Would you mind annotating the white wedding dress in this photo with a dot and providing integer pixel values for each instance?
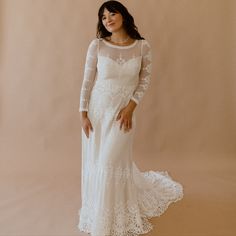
(117, 198)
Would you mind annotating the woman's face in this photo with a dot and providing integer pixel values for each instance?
(112, 21)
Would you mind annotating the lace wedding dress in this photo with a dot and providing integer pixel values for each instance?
(117, 198)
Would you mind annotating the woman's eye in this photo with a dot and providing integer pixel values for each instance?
(111, 14)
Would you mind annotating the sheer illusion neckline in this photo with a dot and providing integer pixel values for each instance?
(119, 46)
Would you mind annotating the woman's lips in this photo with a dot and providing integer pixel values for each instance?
(110, 24)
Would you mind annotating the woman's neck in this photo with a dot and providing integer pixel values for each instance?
(119, 37)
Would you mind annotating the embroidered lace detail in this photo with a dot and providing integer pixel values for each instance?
(117, 175)
(121, 57)
(117, 199)
(145, 73)
(112, 94)
(89, 75)
(125, 220)
(120, 60)
(130, 217)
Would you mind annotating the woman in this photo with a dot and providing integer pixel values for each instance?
(117, 199)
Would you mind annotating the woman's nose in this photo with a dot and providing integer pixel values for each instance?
(108, 18)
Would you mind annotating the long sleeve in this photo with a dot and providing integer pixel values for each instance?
(145, 73)
(90, 70)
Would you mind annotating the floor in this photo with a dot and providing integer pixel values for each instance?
(47, 204)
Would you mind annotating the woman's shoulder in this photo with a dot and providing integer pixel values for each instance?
(94, 41)
(145, 46)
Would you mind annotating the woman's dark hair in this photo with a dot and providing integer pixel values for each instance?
(128, 20)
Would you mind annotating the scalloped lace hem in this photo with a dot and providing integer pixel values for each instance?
(130, 218)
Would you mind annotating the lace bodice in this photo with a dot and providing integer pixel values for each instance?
(120, 58)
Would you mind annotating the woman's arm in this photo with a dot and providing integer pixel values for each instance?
(125, 115)
(90, 70)
(145, 73)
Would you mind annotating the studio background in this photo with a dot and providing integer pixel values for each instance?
(186, 122)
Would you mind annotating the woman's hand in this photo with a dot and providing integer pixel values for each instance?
(86, 123)
(125, 116)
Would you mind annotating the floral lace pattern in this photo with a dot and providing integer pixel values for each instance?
(114, 97)
(89, 75)
(142, 49)
(116, 175)
(117, 198)
(145, 73)
(130, 217)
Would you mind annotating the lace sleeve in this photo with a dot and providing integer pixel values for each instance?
(145, 72)
(90, 70)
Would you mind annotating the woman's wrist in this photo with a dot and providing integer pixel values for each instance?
(83, 114)
(131, 105)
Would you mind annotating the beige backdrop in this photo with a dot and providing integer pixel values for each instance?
(186, 122)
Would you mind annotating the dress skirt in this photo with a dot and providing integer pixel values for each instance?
(117, 198)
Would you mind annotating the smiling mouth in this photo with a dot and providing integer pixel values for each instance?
(110, 24)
